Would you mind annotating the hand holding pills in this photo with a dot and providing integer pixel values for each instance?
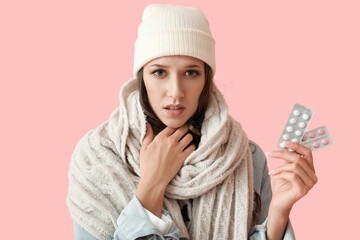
(296, 176)
(293, 180)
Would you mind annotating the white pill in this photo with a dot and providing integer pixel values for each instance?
(297, 113)
(290, 150)
(293, 120)
(282, 144)
(286, 136)
(295, 140)
(302, 124)
(298, 133)
(305, 116)
(289, 129)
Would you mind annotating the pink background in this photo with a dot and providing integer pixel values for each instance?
(62, 64)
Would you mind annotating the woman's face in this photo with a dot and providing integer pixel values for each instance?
(174, 84)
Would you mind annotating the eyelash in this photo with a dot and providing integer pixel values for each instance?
(158, 70)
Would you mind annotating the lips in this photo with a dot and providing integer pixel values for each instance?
(174, 106)
(174, 110)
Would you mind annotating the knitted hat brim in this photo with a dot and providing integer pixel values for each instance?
(171, 42)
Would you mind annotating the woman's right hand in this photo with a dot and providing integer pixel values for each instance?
(160, 160)
(162, 157)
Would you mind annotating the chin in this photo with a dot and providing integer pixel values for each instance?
(174, 123)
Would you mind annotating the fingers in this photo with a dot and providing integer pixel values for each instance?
(189, 150)
(180, 132)
(177, 133)
(297, 169)
(166, 132)
(182, 140)
(176, 137)
(299, 189)
(295, 158)
(185, 141)
(305, 152)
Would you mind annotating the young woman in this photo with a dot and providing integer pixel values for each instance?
(171, 163)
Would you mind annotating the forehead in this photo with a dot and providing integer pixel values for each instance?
(177, 60)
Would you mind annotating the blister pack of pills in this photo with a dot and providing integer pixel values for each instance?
(296, 125)
(317, 138)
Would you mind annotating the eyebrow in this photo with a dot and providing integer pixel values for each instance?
(163, 66)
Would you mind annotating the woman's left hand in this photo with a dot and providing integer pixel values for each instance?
(294, 178)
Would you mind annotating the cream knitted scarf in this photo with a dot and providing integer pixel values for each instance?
(218, 176)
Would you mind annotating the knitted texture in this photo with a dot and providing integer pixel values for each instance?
(218, 176)
(168, 29)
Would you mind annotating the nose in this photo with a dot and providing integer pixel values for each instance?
(175, 88)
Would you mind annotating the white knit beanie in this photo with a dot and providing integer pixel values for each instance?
(168, 29)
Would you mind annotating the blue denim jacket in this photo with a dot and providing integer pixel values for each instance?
(134, 223)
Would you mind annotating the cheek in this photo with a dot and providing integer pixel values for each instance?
(152, 99)
(195, 94)
(199, 88)
(153, 94)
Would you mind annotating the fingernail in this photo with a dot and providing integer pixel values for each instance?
(271, 172)
(286, 142)
(269, 153)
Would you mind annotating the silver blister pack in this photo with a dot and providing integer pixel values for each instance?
(296, 125)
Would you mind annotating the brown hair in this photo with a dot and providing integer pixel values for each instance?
(194, 123)
(257, 209)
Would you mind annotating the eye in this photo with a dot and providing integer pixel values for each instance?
(159, 72)
(192, 73)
